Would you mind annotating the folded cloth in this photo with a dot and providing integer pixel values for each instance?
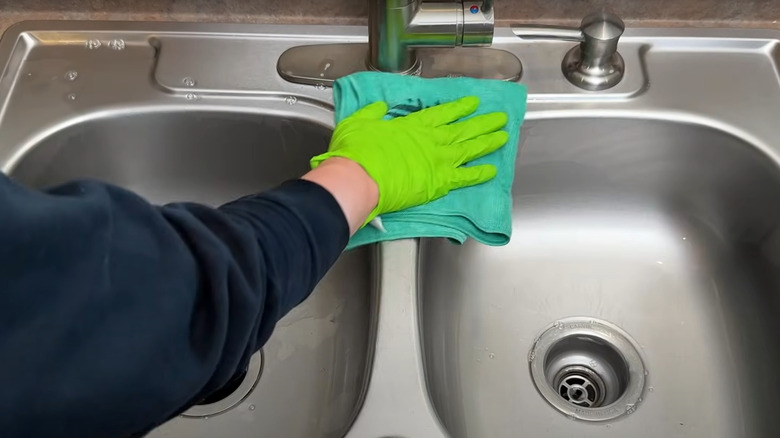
(482, 212)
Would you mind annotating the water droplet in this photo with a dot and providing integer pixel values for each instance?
(647, 373)
(291, 100)
(251, 407)
(325, 66)
(492, 355)
(93, 44)
(651, 389)
(71, 96)
(191, 96)
(188, 82)
(117, 44)
(321, 87)
(639, 400)
(206, 418)
(71, 75)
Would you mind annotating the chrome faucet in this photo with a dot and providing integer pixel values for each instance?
(405, 36)
(398, 27)
(398, 31)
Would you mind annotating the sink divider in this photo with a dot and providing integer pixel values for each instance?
(396, 403)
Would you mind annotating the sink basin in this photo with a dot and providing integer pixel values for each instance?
(314, 365)
(670, 231)
(205, 156)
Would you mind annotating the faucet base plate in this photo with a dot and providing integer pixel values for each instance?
(322, 64)
(473, 62)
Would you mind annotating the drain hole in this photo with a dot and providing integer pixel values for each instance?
(229, 388)
(586, 371)
(580, 386)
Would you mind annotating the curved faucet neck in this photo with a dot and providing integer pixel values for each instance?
(398, 27)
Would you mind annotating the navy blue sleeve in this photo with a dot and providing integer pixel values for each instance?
(116, 315)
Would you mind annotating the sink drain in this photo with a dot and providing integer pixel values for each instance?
(232, 394)
(588, 369)
(581, 386)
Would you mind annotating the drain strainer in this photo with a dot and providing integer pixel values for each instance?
(588, 369)
(233, 394)
(581, 386)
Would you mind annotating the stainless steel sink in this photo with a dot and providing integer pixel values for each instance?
(659, 227)
(638, 295)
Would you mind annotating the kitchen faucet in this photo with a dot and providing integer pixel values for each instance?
(407, 37)
(397, 31)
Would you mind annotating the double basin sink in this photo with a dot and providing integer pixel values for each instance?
(638, 295)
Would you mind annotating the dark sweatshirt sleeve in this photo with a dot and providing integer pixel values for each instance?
(116, 315)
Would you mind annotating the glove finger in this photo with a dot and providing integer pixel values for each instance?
(471, 176)
(471, 128)
(374, 111)
(469, 150)
(444, 113)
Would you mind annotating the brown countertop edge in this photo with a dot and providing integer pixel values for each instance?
(10, 18)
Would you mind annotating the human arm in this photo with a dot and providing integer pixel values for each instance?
(116, 314)
(354, 190)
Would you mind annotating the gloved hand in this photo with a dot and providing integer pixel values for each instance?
(417, 158)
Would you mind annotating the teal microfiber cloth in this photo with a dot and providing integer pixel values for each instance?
(482, 212)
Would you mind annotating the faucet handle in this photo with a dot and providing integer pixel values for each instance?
(595, 63)
(478, 23)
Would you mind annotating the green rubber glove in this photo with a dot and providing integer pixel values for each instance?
(417, 158)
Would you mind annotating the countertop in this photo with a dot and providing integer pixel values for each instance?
(664, 13)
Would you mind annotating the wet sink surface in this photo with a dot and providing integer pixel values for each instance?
(314, 365)
(661, 228)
